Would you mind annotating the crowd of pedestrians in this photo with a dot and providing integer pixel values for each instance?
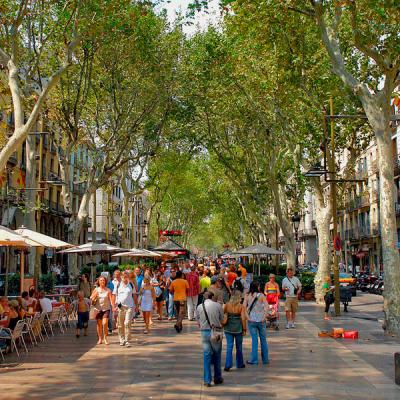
(218, 296)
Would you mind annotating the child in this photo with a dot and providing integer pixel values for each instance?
(82, 307)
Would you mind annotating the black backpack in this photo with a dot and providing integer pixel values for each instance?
(238, 285)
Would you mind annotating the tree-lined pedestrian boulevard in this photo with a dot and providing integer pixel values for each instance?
(166, 365)
(200, 199)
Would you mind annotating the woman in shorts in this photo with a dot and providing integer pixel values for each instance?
(101, 300)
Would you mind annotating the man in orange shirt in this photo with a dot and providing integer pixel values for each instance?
(244, 271)
(179, 288)
(231, 276)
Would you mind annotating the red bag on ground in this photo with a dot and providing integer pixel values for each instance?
(350, 335)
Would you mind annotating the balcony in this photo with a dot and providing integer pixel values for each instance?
(375, 230)
(54, 208)
(365, 200)
(305, 233)
(352, 234)
(79, 188)
(362, 173)
(364, 232)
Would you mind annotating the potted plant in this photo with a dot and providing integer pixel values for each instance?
(308, 286)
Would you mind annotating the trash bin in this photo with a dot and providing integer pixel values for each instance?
(345, 296)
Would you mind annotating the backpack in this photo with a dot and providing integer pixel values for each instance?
(238, 285)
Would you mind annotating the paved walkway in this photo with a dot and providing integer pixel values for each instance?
(165, 365)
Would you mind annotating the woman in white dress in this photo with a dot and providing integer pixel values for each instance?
(148, 297)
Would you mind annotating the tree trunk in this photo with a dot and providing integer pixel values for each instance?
(378, 111)
(77, 225)
(63, 159)
(390, 252)
(125, 210)
(282, 216)
(30, 199)
(322, 219)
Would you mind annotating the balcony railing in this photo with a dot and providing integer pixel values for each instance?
(79, 188)
(304, 233)
(362, 173)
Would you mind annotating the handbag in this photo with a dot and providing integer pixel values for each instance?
(216, 331)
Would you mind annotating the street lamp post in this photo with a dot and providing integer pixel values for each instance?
(296, 223)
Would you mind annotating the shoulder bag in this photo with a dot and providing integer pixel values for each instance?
(216, 331)
(250, 309)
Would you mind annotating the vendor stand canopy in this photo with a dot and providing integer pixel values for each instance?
(258, 250)
(170, 246)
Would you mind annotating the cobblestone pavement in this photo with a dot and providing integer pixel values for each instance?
(165, 365)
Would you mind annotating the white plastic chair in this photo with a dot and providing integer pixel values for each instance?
(54, 318)
(16, 334)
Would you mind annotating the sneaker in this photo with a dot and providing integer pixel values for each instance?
(219, 381)
(122, 343)
(207, 384)
(127, 344)
(288, 326)
(292, 325)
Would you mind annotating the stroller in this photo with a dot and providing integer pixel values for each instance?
(273, 312)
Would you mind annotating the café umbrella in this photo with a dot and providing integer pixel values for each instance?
(44, 240)
(10, 238)
(92, 248)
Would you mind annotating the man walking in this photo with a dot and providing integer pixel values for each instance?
(193, 293)
(291, 285)
(210, 314)
(123, 303)
(179, 289)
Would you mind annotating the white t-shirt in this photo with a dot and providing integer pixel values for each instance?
(45, 305)
(294, 282)
(124, 294)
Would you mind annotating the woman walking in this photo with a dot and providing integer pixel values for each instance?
(255, 306)
(148, 295)
(101, 300)
(235, 329)
(159, 288)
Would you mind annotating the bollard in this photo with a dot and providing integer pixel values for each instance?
(397, 368)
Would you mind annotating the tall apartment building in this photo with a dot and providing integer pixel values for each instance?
(50, 215)
(109, 214)
(359, 223)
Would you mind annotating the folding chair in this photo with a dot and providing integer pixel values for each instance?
(16, 334)
(42, 322)
(54, 318)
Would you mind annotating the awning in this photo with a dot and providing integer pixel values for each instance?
(43, 240)
(8, 216)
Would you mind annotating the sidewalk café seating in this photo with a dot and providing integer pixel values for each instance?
(13, 336)
(34, 328)
(55, 318)
(3, 347)
(42, 322)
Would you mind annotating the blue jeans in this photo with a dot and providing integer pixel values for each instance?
(232, 338)
(170, 307)
(212, 356)
(258, 330)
